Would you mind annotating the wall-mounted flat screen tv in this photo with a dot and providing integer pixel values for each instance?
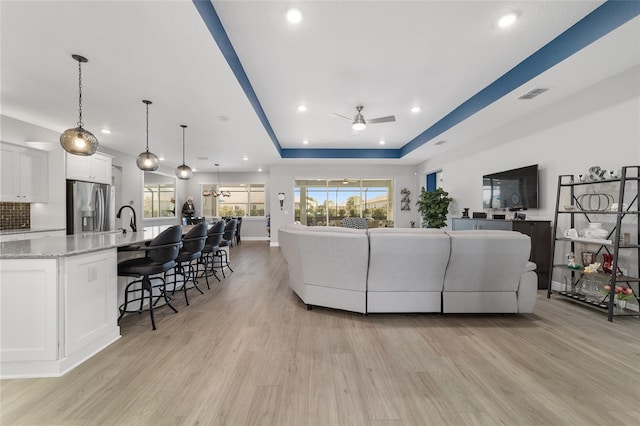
(512, 189)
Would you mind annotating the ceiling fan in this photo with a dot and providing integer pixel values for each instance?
(359, 123)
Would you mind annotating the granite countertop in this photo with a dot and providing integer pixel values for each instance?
(30, 230)
(70, 245)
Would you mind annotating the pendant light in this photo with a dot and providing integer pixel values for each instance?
(183, 171)
(219, 192)
(147, 161)
(79, 141)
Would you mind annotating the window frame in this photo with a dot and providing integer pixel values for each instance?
(215, 212)
(330, 186)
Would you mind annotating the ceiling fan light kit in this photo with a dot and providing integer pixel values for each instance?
(79, 141)
(147, 161)
(359, 123)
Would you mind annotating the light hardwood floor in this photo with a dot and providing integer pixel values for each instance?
(248, 352)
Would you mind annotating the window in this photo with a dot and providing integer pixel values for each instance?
(320, 202)
(159, 195)
(245, 200)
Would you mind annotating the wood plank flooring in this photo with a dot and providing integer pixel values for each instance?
(247, 352)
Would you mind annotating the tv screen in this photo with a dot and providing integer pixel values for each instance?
(511, 189)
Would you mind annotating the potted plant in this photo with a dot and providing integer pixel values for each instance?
(433, 206)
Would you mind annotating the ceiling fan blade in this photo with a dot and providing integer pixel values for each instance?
(333, 114)
(386, 119)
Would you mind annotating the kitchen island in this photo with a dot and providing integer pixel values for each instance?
(59, 300)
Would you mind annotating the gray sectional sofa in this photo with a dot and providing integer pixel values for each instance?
(410, 270)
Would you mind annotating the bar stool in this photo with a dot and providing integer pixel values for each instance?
(227, 241)
(160, 255)
(192, 245)
(211, 246)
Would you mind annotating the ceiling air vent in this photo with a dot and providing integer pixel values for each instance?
(533, 93)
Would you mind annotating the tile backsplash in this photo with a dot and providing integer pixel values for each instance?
(15, 216)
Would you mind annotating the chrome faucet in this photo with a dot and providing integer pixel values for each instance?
(133, 222)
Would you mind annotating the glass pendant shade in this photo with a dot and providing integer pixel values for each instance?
(79, 141)
(147, 161)
(183, 171)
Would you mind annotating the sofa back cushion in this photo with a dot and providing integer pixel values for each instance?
(407, 261)
(486, 261)
(327, 258)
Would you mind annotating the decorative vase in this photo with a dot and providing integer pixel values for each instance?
(607, 262)
(465, 213)
(620, 304)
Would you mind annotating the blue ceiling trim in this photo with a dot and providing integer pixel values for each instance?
(212, 20)
(598, 23)
(606, 18)
(339, 153)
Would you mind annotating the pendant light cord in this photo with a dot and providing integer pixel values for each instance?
(80, 123)
(183, 127)
(147, 126)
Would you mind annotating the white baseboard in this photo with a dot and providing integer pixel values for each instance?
(274, 244)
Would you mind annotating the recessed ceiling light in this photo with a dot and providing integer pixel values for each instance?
(245, 158)
(260, 169)
(416, 109)
(161, 158)
(193, 170)
(294, 16)
(381, 142)
(507, 20)
(305, 142)
(106, 131)
(302, 108)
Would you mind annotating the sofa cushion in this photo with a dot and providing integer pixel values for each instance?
(411, 261)
(482, 262)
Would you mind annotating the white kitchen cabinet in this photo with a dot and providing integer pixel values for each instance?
(29, 311)
(56, 312)
(93, 168)
(24, 176)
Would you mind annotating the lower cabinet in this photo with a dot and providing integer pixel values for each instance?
(538, 230)
(56, 313)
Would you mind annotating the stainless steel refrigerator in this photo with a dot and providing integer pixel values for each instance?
(90, 207)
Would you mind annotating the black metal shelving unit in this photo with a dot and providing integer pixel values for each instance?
(628, 191)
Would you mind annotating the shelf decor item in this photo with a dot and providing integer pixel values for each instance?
(78, 140)
(595, 230)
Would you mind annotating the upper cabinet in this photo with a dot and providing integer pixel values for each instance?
(94, 168)
(25, 176)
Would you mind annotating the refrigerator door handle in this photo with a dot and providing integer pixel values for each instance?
(100, 209)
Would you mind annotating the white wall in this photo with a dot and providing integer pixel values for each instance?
(282, 179)
(599, 126)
